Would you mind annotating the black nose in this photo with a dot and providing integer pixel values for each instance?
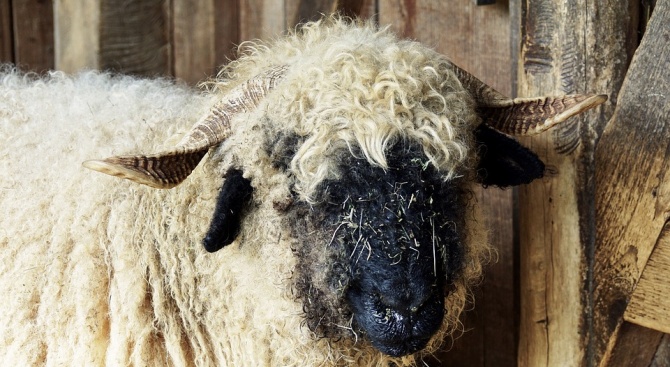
(399, 328)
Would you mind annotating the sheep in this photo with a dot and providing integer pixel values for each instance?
(329, 221)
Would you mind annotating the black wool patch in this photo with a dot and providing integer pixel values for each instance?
(281, 148)
(225, 225)
(503, 161)
(390, 243)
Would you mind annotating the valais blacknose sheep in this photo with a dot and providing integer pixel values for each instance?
(344, 232)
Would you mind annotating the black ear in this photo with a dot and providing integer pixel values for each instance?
(225, 225)
(503, 161)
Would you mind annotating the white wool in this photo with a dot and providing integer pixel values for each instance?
(100, 271)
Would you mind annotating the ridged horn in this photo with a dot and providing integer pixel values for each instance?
(168, 169)
(524, 116)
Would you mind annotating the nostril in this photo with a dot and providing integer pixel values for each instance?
(407, 301)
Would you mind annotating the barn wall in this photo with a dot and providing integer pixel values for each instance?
(535, 305)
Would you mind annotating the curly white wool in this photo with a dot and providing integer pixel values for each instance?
(95, 271)
(358, 85)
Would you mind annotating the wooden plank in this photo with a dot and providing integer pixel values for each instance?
(134, 37)
(76, 34)
(261, 19)
(193, 33)
(227, 30)
(478, 39)
(6, 34)
(300, 11)
(662, 356)
(363, 9)
(650, 305)
(565, 48)
(635, 347)
(33, 34)
(633, 189)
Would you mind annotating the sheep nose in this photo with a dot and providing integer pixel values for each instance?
(407, 327)
(404, 297)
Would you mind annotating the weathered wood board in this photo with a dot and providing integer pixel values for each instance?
(205, 34)
(6, 34)
(649, 305)
(76, 35)
(632, 182)
(133, 37)
(33, 41)
(565, 49)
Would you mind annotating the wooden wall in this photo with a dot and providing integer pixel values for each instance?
(571, 248)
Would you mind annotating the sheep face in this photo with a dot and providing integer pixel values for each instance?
(378, 250)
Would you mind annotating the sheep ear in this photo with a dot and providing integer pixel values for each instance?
(503, 161)
(233, 197)
(523, 116)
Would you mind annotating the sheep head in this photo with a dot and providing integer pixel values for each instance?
(382, 241)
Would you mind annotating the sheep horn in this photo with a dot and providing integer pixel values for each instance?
(168, 169)
(524, 116)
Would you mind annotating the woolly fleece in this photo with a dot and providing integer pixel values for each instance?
(98, 271)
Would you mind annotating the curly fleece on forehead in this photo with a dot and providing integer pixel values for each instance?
(362, 87)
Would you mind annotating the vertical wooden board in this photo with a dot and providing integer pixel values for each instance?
(662, 356)
(635, 347)
(563, 50)
(77, 34)
(477, 39)
(364, 9)
(193, 35)
(262, 19)
(227, 30)
(474, 37)
(649, 305)
(205, 34)
(300, 11)
(6, 34)
(134, 37)
(632, 180)
(33, 34)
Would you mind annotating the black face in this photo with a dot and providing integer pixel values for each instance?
(399, 231)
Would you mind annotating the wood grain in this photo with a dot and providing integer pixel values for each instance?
(633, 187)
(33, 34)
(227, 30)
(635, 347)
(77, 35)
(193, 39)
(477, 39)
(134, 37)
(662, 356)
(300, 11)
(6, 35)
(205, 34)
(262, 19)
(564, 50)
(649, 305)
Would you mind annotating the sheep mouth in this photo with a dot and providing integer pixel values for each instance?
(399, 348)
